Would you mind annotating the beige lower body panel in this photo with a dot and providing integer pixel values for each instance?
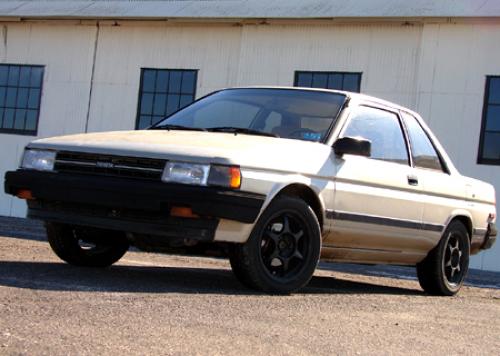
(360, 255)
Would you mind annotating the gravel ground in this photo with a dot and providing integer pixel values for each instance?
(157, 304)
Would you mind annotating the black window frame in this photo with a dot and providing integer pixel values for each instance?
(167, 93)
(328, 73)
(486, 103)
(24, 131)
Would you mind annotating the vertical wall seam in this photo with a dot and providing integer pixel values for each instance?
(94, 57)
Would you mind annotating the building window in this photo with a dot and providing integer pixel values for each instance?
(489, 145)
(329, 80)
(163, 92)
(20, 93)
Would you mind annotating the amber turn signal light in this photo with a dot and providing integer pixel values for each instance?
(25, 194)
(182, 212)
(235, 177)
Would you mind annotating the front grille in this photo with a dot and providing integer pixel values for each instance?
(109, 165)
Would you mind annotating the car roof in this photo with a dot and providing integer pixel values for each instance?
(351, 95)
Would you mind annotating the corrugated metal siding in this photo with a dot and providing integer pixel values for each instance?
(437, 69)
(220, 9)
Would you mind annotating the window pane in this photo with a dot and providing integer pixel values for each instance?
(351, 82)
(382, 128)
(188, 82)
(156, 119)
(147, 104)
(162, 81)
(160, 103)
(31, 116)
(185, 100)
(148, 80)
(4, 74)
(491, 148)
(174, 85)
(2, 96)
(19, 119)
(10, 100)
(144, 121)
(329, 80)
(320, 80)
(36, 77)
(16, 97)
(8, 118)
(172, 103)
(335, 81)
(34, 99)
(160, 95)
(493, 118)
(13, 76)
(24, 79)
(424, 154)
(22, 98)
(494, 91)
(304, 80)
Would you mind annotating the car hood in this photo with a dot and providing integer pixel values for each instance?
(195, 146)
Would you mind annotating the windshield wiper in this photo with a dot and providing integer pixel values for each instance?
(176, 127)
(241, 130)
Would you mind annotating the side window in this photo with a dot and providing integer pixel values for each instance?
(423, 152)
(384, 131)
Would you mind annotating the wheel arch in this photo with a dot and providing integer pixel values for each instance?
(307, 194)
(464, 218)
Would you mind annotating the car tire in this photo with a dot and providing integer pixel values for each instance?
(86, 247)
(444, 269)
(283, 249)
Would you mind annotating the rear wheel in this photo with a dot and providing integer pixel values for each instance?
(443, 271)
(82, 246)
(283, 250)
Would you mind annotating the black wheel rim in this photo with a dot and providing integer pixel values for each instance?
(284, 245)
(454, 262)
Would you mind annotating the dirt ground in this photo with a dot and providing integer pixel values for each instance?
(157, 304)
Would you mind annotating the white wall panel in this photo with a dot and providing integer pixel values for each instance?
(66, 52)
(437, 69)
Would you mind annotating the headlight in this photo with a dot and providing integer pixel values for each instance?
(38, 159)
(202, 174)
(186, 173)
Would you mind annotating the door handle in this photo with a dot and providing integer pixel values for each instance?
(412, 180)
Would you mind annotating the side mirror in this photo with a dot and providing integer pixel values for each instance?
(353, 146)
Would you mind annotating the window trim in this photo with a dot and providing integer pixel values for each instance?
(343, 73)
(140, 91)
(22, 132)
(480, 158)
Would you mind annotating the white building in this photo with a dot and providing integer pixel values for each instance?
(75, 66)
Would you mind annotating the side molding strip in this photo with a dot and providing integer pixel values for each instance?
(382, 220)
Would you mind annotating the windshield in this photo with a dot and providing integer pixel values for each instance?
(298, 114)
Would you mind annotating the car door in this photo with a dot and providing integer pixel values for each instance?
(441, 192)
(377, 202)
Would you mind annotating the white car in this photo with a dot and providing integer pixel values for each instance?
(274, 178)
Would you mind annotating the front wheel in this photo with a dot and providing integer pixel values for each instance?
(89, 247)
(443, 271)
(283, 250)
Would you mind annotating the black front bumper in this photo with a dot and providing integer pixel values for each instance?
(127, 204)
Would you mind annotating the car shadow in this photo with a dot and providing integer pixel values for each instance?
(149, 279)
